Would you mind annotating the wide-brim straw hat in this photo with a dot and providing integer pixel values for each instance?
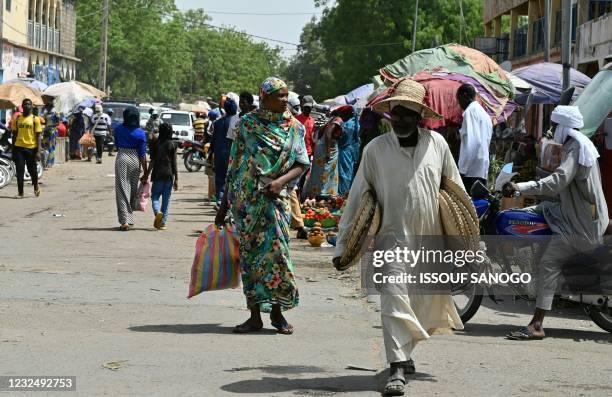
(411, 94)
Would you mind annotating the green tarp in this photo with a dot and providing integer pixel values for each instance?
(595, 102)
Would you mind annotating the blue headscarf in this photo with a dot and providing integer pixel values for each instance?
(230, 107)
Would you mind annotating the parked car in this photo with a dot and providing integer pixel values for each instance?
(182, 123)
(117, 108)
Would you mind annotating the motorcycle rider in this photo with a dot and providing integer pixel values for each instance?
(578, 220)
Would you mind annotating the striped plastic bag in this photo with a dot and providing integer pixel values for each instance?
(216, 264)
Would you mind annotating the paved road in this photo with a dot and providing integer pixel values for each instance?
(75, 294)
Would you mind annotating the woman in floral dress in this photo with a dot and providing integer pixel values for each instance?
(323, 178)
(267, 157)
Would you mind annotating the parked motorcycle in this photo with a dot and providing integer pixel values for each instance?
(7, 166)
(526, 228)
(193, 156)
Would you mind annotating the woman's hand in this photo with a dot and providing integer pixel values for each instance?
(273, 189)
(222, 213)
(144, 178)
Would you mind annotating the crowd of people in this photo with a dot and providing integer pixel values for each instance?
(264, 159)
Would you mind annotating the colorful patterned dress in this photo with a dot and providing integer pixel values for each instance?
(266, 145)
(323, 178)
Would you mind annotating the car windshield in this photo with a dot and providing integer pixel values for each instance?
(176, 118)
(144, 116)
(117, 111)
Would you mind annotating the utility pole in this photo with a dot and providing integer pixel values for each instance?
(103, 47)
(566, 42)
(546, 30)
(414, 24)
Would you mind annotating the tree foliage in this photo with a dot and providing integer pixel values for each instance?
(355, 38)
(157, 53)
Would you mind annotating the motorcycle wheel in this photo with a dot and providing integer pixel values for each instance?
(5, 176)
(468, 302)
(603, 320)
(188, 163)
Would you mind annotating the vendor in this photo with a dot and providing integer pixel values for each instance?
(578, 219)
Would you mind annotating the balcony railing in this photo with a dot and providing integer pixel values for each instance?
(43, 37)
(520, 42)
(495, 47)
(537, 35)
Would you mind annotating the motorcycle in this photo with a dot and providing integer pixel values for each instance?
(525, 228)
(194, 156)
(7, 164)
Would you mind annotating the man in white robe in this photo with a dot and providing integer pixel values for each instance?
(404, 168)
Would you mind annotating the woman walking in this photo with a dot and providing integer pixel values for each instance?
(323, 178)
(132, 144)
(268, 154)
(77, 129)
(164, 174)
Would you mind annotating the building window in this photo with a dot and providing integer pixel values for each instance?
(8, 5)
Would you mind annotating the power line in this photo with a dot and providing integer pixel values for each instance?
(263, 13)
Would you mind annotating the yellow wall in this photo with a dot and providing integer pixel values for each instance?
(17, 18)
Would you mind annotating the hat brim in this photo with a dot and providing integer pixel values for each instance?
(426, 112)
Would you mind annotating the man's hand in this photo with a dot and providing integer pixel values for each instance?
(273, 189)
(175, 185)
(509, 189)
(336, 262)
(37, 156)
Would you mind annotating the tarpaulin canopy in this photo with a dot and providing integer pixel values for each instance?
(358, 93)
(547, 81)
(441, 96)
(453, 58)
(13, 94)
(595, 102)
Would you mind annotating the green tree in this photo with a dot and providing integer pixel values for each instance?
(355, 38)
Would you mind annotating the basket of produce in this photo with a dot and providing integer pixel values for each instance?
(316, 237)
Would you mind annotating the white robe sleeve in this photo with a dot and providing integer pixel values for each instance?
(361, 184)
(553, 184)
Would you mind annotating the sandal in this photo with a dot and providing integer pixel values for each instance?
(525, 333)
(409, 367)
(37, 192)
(283, 327)
(247, 328)
(124, 228)
(395, 384)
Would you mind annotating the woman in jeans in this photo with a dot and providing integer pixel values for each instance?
(164, 174)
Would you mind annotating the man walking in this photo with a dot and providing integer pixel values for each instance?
(27, 136)
(404, 168)
(101, 127)
(475, 134)
(307, 103)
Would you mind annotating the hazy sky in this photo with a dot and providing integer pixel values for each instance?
(280, 27)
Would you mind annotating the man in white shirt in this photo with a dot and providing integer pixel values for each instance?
(101, 127)
(475, 134)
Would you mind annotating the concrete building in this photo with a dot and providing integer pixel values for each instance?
(38, 40)
(514, 31)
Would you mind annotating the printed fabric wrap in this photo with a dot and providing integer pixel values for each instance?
(267, 145)
(216, 264)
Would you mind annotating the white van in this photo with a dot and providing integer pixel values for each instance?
(182, 123)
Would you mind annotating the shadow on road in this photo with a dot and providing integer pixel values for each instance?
(500, 330)
(192, 329)
(318, 385)
(281, 369)
(109, 229)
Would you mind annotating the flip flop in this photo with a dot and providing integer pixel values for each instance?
(246, 328)
(524, 333)
(283, 327)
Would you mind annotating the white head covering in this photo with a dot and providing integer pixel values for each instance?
(569, 118)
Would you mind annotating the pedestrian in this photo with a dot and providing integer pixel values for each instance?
(199, 126)
(323, 179)
(131, 141)
(578, 217)
(109, 142)
(88, 114)
(213, 115)
(101, 128)
(348, 152)
(164, 174)
(220, 146)
(246, 103)
(475, 133)
(404, 169)
(76, 130)
(27, 136)
(152, 127)
(307, 103)
(268, 153)
(50, 132)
